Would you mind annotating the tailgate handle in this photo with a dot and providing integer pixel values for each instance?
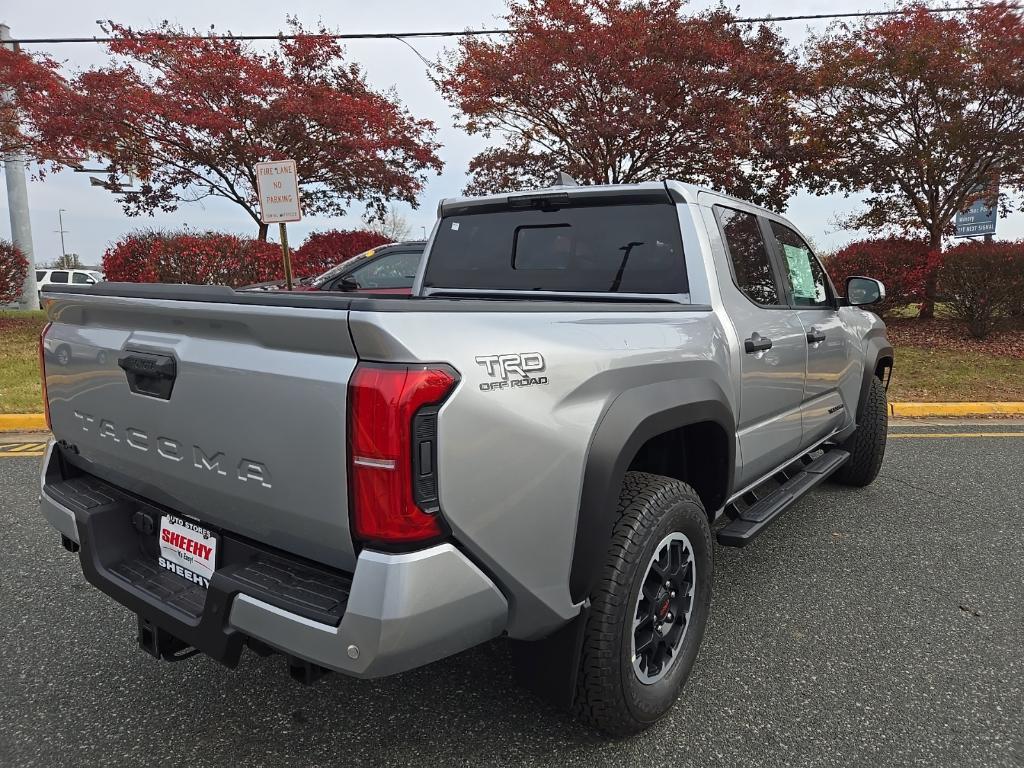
(148, 373)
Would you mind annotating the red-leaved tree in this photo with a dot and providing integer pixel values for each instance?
(323, 250)
(37, 95)
(13, 268)
(617, 92)
(924, 111)
(189, 116)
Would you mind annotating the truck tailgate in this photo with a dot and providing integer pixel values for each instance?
(231, 413)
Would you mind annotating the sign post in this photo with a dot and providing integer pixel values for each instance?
(277, 186)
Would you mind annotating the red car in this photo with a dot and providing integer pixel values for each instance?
(387, 269)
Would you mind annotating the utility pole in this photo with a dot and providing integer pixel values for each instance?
(62, 232)
(17, 202)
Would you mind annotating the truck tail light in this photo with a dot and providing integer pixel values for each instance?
(42, 373)
(392, 433)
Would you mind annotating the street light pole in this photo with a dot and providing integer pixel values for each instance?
(62, 231)
(17, 202)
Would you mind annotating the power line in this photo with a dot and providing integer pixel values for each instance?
(473, 32)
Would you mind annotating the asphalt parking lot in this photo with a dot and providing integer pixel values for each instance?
(882, 626)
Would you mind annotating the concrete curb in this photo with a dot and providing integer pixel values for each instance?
(22, 422)
(956, 409)
(36, 422)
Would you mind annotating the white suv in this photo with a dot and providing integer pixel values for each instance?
(64, 276)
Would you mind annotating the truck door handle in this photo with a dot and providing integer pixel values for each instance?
(756, 343)
(814, 336)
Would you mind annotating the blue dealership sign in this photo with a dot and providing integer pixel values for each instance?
(979, 219)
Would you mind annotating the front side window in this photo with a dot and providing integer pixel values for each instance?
(58, 277)
(751, 264)
(394, 270)
(807, 281)
(579, 248)
(81, 278)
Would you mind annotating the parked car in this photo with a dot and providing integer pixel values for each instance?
(387, 269)
(66, 277)
(587, 387)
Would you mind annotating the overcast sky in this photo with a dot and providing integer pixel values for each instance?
(93, 218)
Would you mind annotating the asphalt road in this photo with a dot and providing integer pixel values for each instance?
(882, 626)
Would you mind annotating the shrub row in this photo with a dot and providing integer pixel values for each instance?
(323, 250)
(979, 283)
(901, 264)
(216, 258)
(982, 283)
(13, 268)
(199, 258)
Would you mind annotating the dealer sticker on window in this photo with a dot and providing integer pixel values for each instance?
(187, 549)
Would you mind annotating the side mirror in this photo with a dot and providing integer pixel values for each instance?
(862, 291)
(347, 284)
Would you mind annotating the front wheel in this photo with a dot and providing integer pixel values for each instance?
(867, 444)
(649, 610)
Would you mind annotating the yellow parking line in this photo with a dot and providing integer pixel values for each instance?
(917, 435)
(19, 447)
(13, 455)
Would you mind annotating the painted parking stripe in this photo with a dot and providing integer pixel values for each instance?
(17, 450)
(952, 435)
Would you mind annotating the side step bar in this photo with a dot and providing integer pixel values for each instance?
(796, 480)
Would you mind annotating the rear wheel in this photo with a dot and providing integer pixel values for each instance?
(650, 608)
(867, 444)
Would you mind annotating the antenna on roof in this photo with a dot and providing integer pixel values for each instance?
(563, 179)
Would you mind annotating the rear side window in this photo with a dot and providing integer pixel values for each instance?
(752, 267)
(58, 277)
(40, 274)
(623, 248)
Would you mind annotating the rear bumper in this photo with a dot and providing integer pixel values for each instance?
(395, 612)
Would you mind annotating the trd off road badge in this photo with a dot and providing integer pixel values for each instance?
(512, 370)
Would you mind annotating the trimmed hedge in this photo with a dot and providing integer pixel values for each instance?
(323, 250)
(196, 258)
(982, 283)
(902, 264)
(13, 268)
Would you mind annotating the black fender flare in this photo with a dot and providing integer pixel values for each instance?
(876, 348)
(635, 416)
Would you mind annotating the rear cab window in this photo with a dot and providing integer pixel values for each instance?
(562, 244)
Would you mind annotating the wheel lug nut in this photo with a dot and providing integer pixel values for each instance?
(668, 584)
(668, 616)
(672, 593)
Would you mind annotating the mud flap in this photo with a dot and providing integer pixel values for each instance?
(549, 667)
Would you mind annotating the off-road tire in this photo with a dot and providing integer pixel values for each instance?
(867, 444)
(609, 695)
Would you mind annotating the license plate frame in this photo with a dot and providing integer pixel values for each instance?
(187, 549)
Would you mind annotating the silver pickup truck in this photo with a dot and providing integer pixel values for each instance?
(539, 443)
